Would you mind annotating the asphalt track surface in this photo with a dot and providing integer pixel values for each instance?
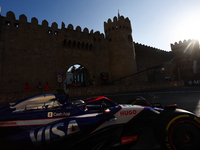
(187, 98)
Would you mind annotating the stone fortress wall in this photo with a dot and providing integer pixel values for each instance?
(148, 56)
(188, 48)
(33, 53)
(186, 64)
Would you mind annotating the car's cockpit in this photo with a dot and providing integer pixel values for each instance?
(46, 101)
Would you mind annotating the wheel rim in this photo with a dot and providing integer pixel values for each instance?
(185, 135)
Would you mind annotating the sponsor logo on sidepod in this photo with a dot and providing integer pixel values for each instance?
(129, 139)
(46, 133)
(8, 123)
(57, 114)
(128, 112)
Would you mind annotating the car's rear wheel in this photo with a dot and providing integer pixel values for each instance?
(178, 131)
(184, 135)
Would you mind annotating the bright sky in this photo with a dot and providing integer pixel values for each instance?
(156, 23)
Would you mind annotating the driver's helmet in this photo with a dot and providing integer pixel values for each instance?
(80, 104)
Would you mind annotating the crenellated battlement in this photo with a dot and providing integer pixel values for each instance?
(186, 47)
(150, 47)
(66, 37)
(122, 23)
(11, 21)
(183, 44)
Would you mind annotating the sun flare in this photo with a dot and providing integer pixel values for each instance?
(197, 110)
(188, 28)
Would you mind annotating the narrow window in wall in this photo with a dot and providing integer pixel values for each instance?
(16, 25)
(91, 47)
(7, 23)
(78, 45)
(86, 47)
(64, 43)
(83, 46)
(69, 44)
(74, 45)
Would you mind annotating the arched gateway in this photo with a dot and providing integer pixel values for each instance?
(34, 53)
(76, 76)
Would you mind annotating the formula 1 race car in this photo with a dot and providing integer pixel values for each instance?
(51, 121)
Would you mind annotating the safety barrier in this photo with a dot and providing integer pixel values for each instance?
(6, 97)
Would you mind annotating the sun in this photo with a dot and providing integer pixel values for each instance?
(192, 31)
(188, 28)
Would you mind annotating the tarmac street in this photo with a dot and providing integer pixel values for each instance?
(187, 98)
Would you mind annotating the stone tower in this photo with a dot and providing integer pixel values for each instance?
(121, 48)
(189, 48)
(186, 59)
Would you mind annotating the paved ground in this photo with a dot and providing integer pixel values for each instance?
(186, 97)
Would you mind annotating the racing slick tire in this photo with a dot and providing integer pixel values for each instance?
(178, 130)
